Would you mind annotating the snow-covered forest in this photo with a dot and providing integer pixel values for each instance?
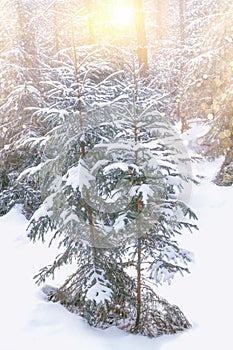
(116, 172)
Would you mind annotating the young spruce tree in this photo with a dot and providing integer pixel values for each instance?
(111, 179)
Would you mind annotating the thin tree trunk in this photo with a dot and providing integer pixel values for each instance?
(181, 13)
(74, 48)
(181, 112)
(136, 140)
(139, 252)
(57, 46)
(21, 33)
(83, 148)
(142, 51)
(89, 5)
(159, 19)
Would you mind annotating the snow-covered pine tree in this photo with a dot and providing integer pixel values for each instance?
(29, 58)
(219, 139)
(203, 70)
(20, 77)
(154, 158)
(208, 88)
(110, 200)
(80, 99)
(167, 54)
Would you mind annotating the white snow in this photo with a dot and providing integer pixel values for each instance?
(45, 208)
(28, 321)
(98, 291)
(118, 165)
(30, 171)
(145, 190)
(78, 176)
(120, 223)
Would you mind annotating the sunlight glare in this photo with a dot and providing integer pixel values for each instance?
(122, 15)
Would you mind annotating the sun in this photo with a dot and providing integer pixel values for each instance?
(115, 19)
(122, 14)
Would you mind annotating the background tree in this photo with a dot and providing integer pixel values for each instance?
(20, 77)
(89, 7)
(141, 37)
(208, 88)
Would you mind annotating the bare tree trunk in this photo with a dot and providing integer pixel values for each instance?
(141, 38)
(159, 19)
(139, 248)
(21, 33)
(181, 14)
(89, 6)
(139, 252)
(138, 205)
(181, 112)
(57, 46)
(225, 175)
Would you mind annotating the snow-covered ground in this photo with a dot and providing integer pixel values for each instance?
(28, 321)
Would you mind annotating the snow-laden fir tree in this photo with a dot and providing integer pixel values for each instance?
(20, 87)
(77, 99)
(208, 87)
(111, 177)
(219, 139)
(29, 59)
(206, 29)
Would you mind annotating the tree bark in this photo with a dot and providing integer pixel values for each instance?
(142, 51)
(89, 6)
(21, 33)
(181, 113)
(181, 14)
(159, 20)
(138, 317)
(138, 205)
(56, 34)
